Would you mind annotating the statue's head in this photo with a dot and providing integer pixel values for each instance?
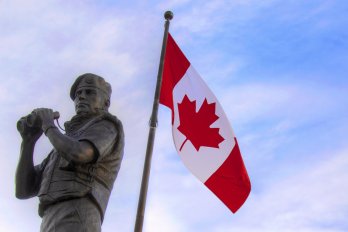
(91, 94)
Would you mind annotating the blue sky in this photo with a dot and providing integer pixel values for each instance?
(279, 69)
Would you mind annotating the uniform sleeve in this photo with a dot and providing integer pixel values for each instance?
(41, 167)
(102, 135)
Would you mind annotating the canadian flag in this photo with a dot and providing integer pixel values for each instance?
(202, 134)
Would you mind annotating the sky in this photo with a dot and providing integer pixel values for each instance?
(279, 69)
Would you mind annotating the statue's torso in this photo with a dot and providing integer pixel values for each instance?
(62, 180)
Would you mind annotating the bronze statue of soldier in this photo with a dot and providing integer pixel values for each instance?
(75, 180)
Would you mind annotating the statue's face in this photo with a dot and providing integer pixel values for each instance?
(88, 100)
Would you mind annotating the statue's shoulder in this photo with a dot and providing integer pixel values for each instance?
(112, 119)
(109, 119)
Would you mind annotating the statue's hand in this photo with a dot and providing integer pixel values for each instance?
(46, 117)
(29, 134)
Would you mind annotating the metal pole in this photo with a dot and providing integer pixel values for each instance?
(168, 15)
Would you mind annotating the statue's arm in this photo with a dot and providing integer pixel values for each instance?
(70, 148)
(27, 177)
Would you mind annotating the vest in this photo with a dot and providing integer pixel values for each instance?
(63, 180)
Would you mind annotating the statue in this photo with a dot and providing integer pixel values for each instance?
(74, 182)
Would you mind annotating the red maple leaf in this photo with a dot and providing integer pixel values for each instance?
(196, 125)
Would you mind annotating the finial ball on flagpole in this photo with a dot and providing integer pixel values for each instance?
(168, 15)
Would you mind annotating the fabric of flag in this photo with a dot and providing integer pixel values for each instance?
(202, 133)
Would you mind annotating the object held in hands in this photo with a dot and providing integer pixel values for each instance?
(32, 121)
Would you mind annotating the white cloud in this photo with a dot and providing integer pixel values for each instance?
(159, 218)
(44, 45)
(41, 59)
(210, 17)
(296, 102)
(311, 200)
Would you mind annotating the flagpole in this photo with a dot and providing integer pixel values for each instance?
(168, 15)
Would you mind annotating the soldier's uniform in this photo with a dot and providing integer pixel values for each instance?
(73, 197)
